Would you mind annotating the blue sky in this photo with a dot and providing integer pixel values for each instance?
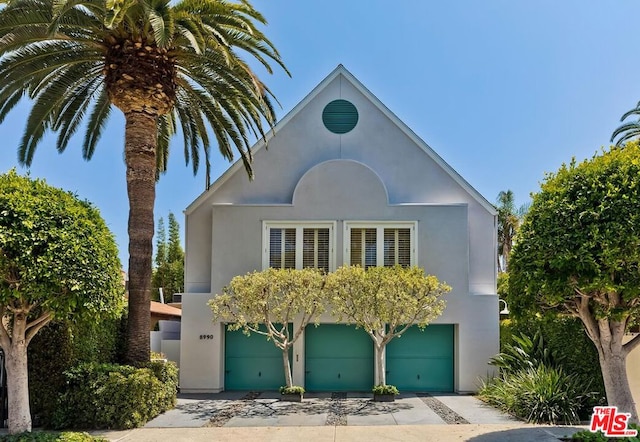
(503, 90)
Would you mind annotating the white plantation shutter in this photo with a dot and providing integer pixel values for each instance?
(282, 248)
(363, 247)
(316, 248)
(289, 245)
(397, 247)
(383, 244)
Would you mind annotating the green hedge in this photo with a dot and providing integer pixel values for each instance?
(116, 396)
(60, 346)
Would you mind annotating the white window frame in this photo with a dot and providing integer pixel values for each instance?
(299, 226)
(380, 226)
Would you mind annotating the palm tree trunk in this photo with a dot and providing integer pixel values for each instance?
(140, 157)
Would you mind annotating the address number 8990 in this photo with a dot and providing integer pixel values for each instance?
(206, 336)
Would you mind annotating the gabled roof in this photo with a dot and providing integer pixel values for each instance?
(341, 70)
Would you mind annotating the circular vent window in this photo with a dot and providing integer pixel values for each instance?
(340, 116)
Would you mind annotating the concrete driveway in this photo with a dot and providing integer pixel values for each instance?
(242, 409)
(337, 417)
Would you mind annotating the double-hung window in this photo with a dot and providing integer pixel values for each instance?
(386, 244)
(298, 245)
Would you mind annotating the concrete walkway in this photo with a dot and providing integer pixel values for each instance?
(237, 416)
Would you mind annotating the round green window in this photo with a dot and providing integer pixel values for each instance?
(340, 116)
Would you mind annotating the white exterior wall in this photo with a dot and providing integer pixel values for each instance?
(379, 171)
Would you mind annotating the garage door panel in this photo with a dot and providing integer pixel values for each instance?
(254, 373)
(422, 360)
(338, 358)
(252, 362)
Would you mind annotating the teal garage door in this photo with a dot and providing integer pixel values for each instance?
(338, 358)
(251, 362)
(422, 361)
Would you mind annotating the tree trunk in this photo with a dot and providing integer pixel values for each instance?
(607, 335)
(18, 379)
(287, 367)
(140, 157)
(381, 366)
(616, 383)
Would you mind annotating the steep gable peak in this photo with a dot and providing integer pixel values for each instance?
(346, 75)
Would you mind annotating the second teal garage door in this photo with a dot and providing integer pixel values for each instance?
(338, 358)
(251, 362)
(422, 361)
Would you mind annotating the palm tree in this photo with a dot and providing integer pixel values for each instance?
(508, 224)
(628, 130)
(162, 64)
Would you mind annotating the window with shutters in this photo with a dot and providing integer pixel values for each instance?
(289, 245)
(380, 244)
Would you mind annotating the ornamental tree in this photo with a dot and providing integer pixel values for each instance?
(273, 298)
(58, 259)
(578, 253)
(385, 302)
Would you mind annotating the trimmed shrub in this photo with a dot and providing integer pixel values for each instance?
(539, 395)
(116, 396)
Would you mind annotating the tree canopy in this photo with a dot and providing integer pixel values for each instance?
(57, 256)
(581, 238)
(385, 302)
(273, 298)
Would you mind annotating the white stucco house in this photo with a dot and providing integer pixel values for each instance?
(343, 181)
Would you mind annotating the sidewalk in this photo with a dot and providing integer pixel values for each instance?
(405, 433)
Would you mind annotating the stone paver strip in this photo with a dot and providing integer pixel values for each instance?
(418, 414)
(336, 415)
(474, 410)
(447, 414)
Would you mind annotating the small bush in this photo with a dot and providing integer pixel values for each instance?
(539, 395)
(52, 437)
(294, 389)
(116, 396)
(385, 389)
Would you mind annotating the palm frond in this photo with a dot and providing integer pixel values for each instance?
(161, 21)
(96, 124)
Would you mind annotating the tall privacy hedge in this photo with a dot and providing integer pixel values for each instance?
(59, 347)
